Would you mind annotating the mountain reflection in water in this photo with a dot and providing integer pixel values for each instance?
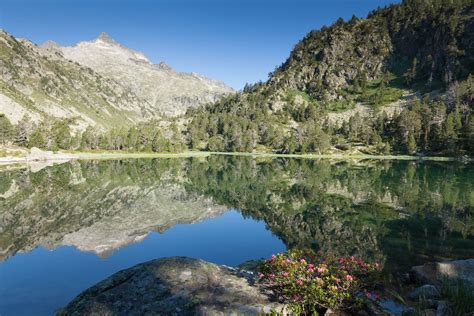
(374, 209)
(397, 212)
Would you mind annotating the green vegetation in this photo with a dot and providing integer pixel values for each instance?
(311, 282)
(56, 134)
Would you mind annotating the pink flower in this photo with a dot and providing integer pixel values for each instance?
(320, 270)
(368, 295)
(285, 274)
(261, 276)
(349, 277)
(296, 297)
(310, 266)
(311, 270)
(272, 276)
(288, 261)
(299, 282)
(338, 280)
(303, 261)
(273, 257)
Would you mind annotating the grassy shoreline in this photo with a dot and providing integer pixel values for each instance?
(104, 155)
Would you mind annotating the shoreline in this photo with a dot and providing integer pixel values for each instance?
(48, 156)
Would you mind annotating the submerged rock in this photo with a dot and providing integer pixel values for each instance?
(426, 291)
(177, 285)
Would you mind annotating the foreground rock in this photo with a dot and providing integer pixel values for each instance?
(176, 285)
(434, 273)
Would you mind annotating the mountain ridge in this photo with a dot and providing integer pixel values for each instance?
(42, 82)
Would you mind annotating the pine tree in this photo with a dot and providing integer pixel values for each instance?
(410, 75)
(23, 130)
(6, 130)
(61, 134)
(411, 144)
(36, 140)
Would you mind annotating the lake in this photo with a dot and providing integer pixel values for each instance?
(65, 227)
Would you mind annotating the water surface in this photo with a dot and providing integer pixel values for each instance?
(66, 227)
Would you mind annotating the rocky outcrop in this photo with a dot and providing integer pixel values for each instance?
(174, 286)
(330, 59)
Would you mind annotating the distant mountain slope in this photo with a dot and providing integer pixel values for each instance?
(165, 89)
(41, 82)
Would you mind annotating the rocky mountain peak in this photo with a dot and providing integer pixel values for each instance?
(104, 47)
(104, 37)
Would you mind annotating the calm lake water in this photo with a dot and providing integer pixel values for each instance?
(66, 227)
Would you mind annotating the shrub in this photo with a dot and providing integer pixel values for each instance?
(309, 281)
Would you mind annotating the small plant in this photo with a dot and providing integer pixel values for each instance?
(310, 282)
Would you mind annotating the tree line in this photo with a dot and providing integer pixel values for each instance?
(56, 134)
(440, 124)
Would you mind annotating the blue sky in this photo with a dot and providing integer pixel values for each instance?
(236, 41)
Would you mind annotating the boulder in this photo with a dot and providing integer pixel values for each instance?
(174, 286)
(434, 273)
(425, 292)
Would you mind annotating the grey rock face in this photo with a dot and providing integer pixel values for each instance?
(177, 285)
(323, 70)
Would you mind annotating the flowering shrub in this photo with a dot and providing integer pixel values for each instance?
(309, 281)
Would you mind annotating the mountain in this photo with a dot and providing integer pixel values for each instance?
(165, 89)
(42, 82)
(397, 81)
